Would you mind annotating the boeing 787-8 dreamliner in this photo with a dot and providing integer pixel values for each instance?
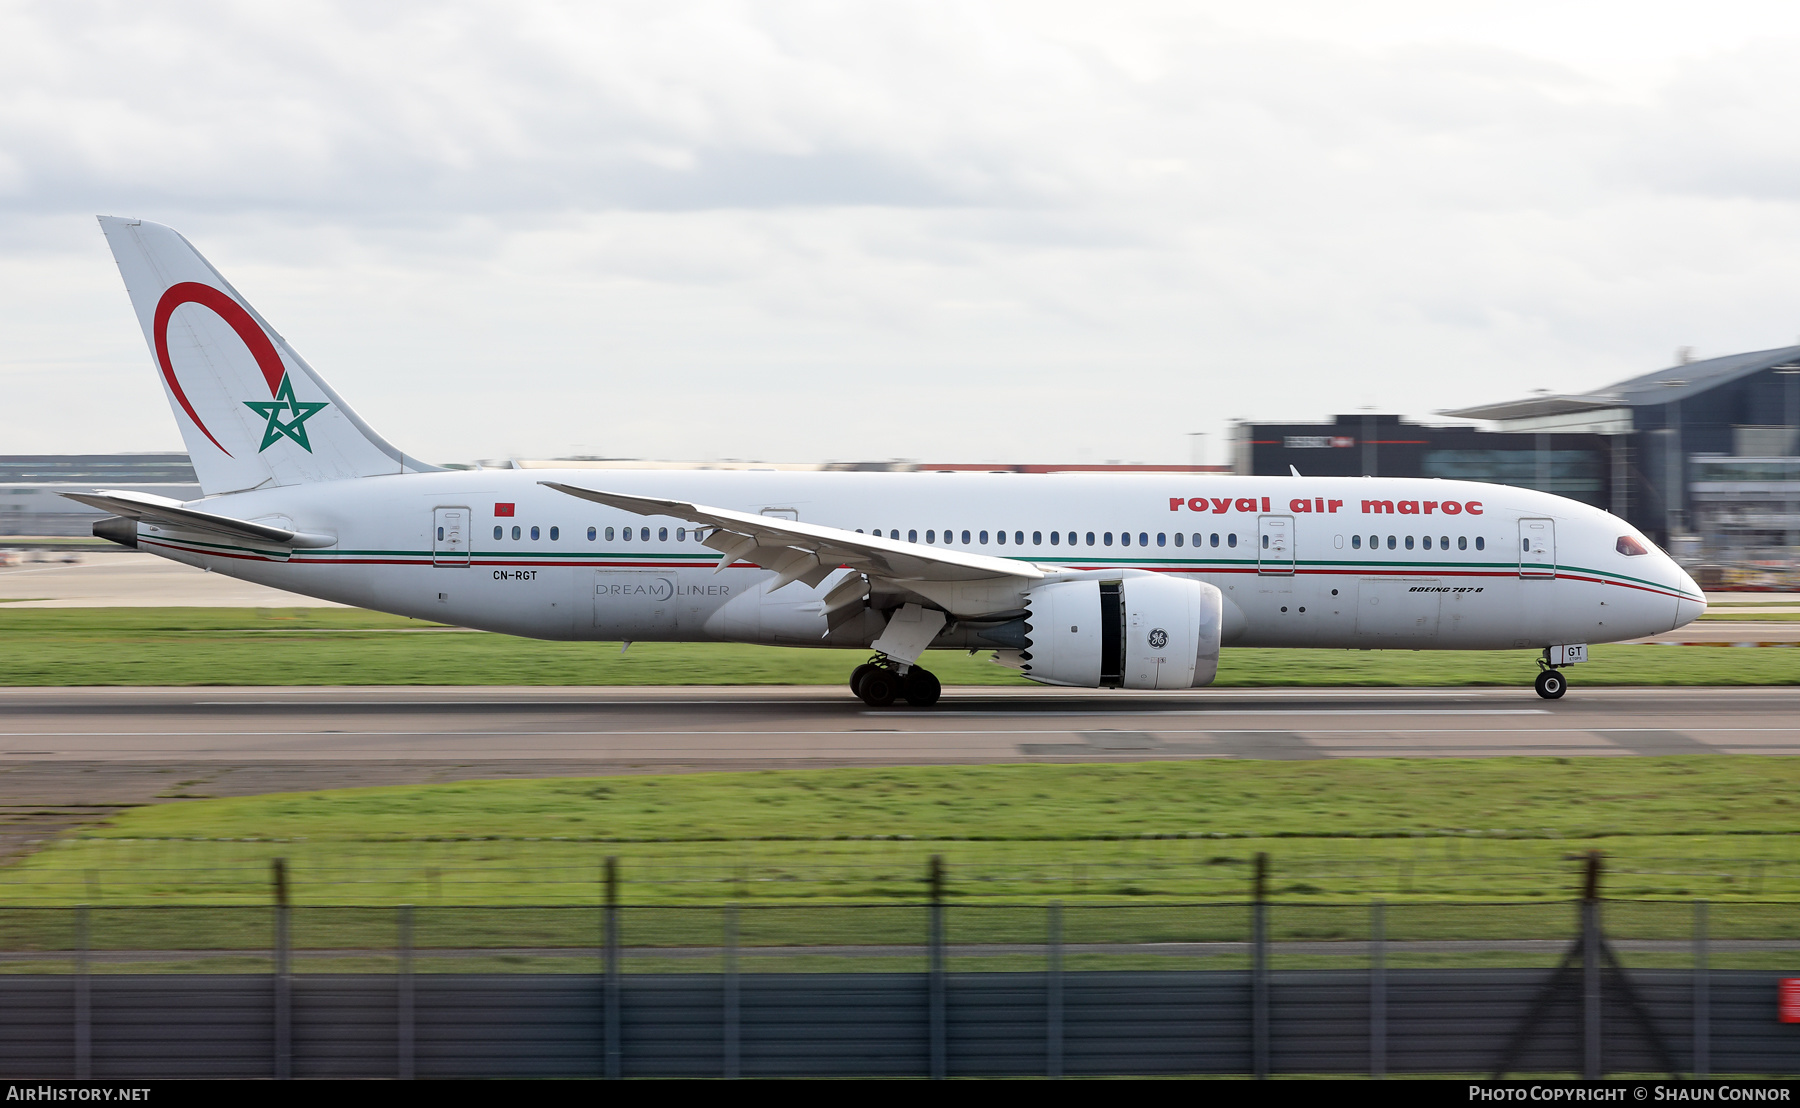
(1118, 581)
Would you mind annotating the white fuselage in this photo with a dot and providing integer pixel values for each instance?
(1301, 562)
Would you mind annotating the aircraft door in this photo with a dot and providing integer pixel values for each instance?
(1275, 544)
(1537, 548)
(450, 537)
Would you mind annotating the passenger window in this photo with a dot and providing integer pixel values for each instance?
(1215, 538)
(1374, 542)
(1356, 542)
(1143, 538)
(1392, 542)
(440, 534)
(1125, 538)
(1106, 539)
(1427, 542)
(1409, 542)
(1162, 539)
(1090, 538)
(1231, 541)
(555, 533)
(965, 538)
(625, 533)
(534, 534)
(1000, 537)
(1037, 538)
(1265, 542)
(591, 534)
(912, 536)
(680, 534)
(1055, 537)
(1480, 543)
(1018, 538)
(1462, 542)
(984, 538)
(1629, 546)
(515, 532)
(662, 534)
(931, 536)
(496, 532)
(1178, 537)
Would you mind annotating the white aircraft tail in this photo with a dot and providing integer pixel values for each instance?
(252, 412)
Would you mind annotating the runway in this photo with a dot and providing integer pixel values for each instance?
(700, 728)
(71, 756)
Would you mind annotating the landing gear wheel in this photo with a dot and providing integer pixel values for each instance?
(857, 675)
(922, 688)
(879, 688)
(1551, 684)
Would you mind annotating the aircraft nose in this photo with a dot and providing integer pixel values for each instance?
(1688, 610)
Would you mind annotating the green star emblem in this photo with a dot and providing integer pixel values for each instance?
(272, 410)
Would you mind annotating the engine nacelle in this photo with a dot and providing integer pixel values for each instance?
(1145, 631)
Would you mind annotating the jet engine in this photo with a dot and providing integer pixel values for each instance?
(1148, 631)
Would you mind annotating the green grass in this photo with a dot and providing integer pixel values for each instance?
(505, 874)
(1426, 829)
(338, 646)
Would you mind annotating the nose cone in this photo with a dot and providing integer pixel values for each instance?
(1688, 610)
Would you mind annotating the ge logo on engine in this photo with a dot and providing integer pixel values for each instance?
(1159, 639)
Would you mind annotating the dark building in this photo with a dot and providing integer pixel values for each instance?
(1709, 450)
(1575, 465)
(1703, 456)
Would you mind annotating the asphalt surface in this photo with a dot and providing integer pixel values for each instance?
(71, 756)
(616, 729)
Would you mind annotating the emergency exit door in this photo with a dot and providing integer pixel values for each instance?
(1537, 548)
(1275, 544)
(450, 537)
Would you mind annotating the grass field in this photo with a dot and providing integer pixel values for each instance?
(1427, 829)
(828, 867)
(334, 646)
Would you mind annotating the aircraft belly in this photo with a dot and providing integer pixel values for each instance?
(1398, 611)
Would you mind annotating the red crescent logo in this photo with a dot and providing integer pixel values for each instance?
(233, 313)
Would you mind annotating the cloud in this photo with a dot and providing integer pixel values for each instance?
(920, 229)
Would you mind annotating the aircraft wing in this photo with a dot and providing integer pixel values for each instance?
(161, 511)
(808, 552)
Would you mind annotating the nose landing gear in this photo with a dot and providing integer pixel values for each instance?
(879, 682)
(1551, 683)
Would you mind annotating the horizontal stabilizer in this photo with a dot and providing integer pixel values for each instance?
(161, 511)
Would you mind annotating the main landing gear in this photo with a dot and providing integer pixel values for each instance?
(879, 683)
(1551, 683)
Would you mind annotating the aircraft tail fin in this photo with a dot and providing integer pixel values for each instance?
(252, 412)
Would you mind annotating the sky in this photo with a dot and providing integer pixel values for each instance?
(959, 231)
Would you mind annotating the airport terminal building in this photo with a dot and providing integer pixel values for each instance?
(1703, 456)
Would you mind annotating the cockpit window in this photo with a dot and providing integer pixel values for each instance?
(1630, 547)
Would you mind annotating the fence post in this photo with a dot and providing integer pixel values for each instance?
(84, 1010)
(404, 1015)
(1259, 969)
(1378, 989)
(284, 1027)
(1702, 996)
(1053, 995)
(1590, 969)
(732, 1034)
(610, 974)
(935, 968)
